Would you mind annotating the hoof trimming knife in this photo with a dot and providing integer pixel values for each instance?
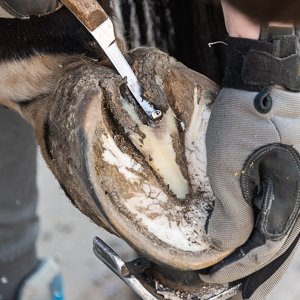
(97, 22)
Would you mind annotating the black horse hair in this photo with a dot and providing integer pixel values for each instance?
(56, 33)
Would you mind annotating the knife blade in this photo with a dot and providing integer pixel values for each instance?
(97, 22)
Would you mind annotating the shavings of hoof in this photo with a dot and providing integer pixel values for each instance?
(205, 291)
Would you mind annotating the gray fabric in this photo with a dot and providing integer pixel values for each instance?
(18, 197)
(263, 291)
(26, 8)
(235, 131)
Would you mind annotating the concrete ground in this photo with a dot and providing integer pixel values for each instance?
(67, 235)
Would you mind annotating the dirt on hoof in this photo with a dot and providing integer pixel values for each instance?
(144, 181)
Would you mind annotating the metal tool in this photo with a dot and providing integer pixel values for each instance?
(97, 22)
(148, 288)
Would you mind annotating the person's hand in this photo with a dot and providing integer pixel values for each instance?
(253, 145)
(26, 8)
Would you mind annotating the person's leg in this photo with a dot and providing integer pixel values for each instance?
(18, 200)
(240, 25)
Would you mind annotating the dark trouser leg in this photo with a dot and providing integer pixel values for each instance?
(18, 200)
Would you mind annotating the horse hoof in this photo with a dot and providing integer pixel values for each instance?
(144, 181)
